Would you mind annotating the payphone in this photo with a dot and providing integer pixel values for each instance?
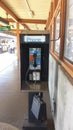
(34, 57)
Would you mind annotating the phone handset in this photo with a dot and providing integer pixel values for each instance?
(34, 60)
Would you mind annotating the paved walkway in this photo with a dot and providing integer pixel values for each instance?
(5, 126)
(6, 59)
(13, 102)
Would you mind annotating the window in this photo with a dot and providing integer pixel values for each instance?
(57, 33)
(68, 47)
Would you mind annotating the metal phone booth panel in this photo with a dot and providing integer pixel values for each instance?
(34, 59)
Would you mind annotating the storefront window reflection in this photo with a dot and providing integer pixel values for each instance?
(68, 48)
(57, 32)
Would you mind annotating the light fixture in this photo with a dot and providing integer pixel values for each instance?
(4, 21)
(36, 27)
(31, 12)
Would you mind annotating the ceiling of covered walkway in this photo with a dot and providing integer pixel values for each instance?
(31, 14)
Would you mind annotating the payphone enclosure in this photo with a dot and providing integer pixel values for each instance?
(34, 59)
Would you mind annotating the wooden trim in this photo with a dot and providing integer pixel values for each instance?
(55, 4)
(3, 5)
(57, 54)
(67, 74)
(14, 30)
(55, 57)
(51, 9)
(39, 21)
(50, 14)
(25, 26)
(48, 22)
(10, 20)
(68, 64)
(54, 14)
(18, 43)
(68, 69)
(50, 44)
(62, 28)
(52, 36)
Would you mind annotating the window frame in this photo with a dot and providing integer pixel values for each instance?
(65, 64)
(51, 36)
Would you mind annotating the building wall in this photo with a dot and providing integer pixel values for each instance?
(61, 96)
(52, 82)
